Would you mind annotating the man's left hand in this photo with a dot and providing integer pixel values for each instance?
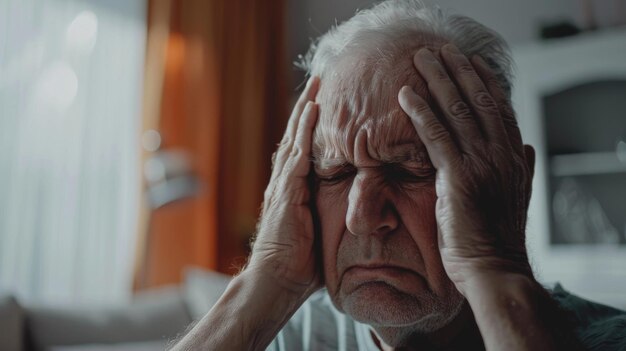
(484, 172)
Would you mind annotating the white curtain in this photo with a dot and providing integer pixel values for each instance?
(70, 100)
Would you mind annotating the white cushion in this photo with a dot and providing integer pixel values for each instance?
(133, 346)
(157, 315)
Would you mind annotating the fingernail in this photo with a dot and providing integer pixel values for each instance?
(479, 60)
(453, 49)
(309, 106)
(426, 55)
(407, 90)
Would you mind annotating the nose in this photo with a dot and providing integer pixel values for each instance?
(370, 207)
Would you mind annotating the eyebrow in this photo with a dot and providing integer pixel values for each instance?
(401, 153)
(327, 163)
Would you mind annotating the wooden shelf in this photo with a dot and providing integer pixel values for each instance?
(549, 68)
(586, 164)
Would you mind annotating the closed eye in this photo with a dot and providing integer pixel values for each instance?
(397, 174)
(337, 176)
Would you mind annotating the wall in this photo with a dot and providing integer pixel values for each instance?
(517, 21)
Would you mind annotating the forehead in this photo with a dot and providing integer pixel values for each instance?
(361, 96)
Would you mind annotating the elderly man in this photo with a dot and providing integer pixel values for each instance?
(401, 186)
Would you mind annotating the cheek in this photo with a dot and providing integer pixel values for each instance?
(418, 215)
(331, 204)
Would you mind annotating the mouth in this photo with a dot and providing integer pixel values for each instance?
(378, 270)
(397, 277)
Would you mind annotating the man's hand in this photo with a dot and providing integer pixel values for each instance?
(282, 270)
(484, 172)
(483, 186)
(284, 246)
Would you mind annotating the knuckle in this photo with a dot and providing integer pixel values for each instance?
(285, 142)
(296, 152)
(282, 150)
(459, 110)
(435, 131)
(440, 74)
(506, 109)
(464, 68)
(508, 115)
(484, 101)
(419, 109)
(494, 82)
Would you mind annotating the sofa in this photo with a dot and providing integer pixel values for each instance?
(150, 321)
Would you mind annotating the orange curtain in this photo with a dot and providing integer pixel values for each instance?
(223, 101)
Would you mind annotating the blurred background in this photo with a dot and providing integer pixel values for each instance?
(136, 136)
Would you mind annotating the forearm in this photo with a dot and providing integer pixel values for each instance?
(514, 312)
(248, 316)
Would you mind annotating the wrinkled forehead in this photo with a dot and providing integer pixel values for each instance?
(361, 94)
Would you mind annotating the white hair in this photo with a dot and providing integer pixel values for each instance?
(399, 27)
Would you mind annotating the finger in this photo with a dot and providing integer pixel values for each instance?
(441, 148)
(476, 94)
(462, 123)
(301, 151)
(297, 160)
(282, 154)
(308, 94)
(502, 101)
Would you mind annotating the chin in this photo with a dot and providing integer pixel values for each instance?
(395, 336)
(396, 315)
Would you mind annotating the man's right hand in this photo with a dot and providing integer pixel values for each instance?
(283, 270)
(284, 249)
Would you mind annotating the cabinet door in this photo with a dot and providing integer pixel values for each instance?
(570, 97)
(585, 138)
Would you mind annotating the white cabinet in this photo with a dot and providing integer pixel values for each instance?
(570, 98)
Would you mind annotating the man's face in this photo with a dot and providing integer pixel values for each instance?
(375, 200)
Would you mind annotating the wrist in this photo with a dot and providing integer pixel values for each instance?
(269, 286)
(516, 305)
(253, 307)
(281, 275)
(488, 272)
(502, 290)
(499, 282)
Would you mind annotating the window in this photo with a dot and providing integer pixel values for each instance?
(70, 107)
